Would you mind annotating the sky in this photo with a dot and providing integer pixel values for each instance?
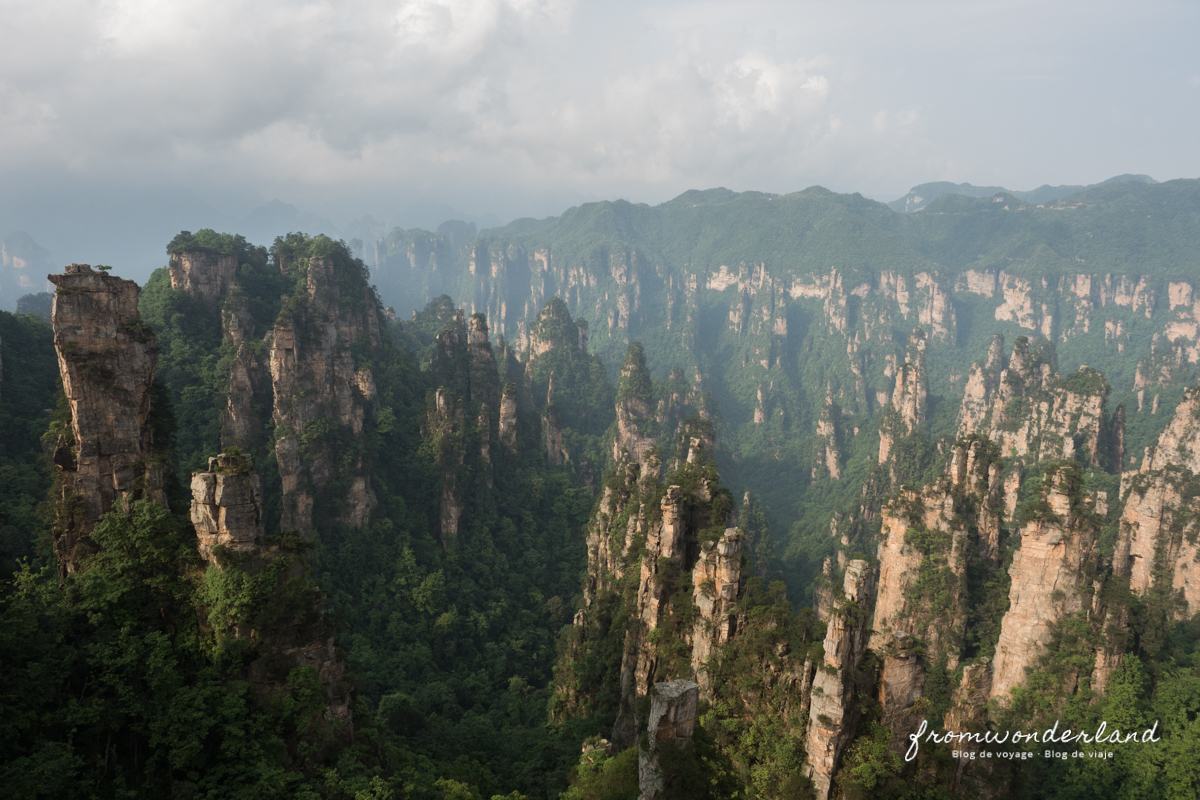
(123, 121)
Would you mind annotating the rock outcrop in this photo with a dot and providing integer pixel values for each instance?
(508, 416)
(969, 711)
(203, 275)
(227, 514)
(910, 399)
(227, 506)
(241, 424)
(1159, 533)
(923, 555)
(319, 395)
(637, 428)
(1050, 575)
(106, 359)
(674, 708)
(901, 684)
(716, 585)
(666, 551)
(834, 711)
(1033, 413)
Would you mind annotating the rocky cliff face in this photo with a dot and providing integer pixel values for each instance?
(637, 428)
(969, 713)
(320, 397)
(1032, 412)
(1158, 533)
(674, 708)
(227, 514)
(923, 555)
(203, 275)
(834, 709)
(227, 506)
(1051, 576)
(910, 400)
(716, 585)
(665, 558)
(106, 359)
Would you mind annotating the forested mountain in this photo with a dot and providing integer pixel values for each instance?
(297, 546)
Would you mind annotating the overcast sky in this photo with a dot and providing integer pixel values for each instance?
(508, 108)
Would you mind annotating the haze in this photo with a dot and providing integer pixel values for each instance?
(123, 122)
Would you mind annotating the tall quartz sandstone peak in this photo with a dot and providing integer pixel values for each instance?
(106, 358)
(927, 532)
(241, 424)
(1049, 576)
(1159, 529)
(637, 427)
(910, 399)
(834, 712)
(716, 585)
(316, 384)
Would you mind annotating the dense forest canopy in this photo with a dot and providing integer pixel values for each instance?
(476, 504)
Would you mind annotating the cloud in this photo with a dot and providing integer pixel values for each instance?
(321, 94)
(514, 105)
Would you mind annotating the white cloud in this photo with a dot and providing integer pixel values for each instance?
(504, 99)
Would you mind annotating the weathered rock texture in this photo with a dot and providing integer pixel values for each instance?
(227, 514)
(249, 382)
(637, 428)
(106, 358)
(901, 684)
(923, 555)
(969, 711)
(666, 553)
(910, 400)
(320, 398)
(1157, 541)
(203, 275)
(227, 506)
(1031, 411)
(716, 582)
(834, 712)
(674, 707)
(1051, 576)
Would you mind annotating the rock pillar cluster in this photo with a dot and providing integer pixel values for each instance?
(910, 400)
(1159, 534)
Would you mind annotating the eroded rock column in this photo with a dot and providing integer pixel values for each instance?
(833, 712)
(674, 707)
(106, 358)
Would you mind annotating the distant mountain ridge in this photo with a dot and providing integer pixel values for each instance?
(921, 196)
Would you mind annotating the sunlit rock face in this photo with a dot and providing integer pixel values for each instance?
(1159, 529)
(106, 359)
(1049, 580)
(833, 712)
